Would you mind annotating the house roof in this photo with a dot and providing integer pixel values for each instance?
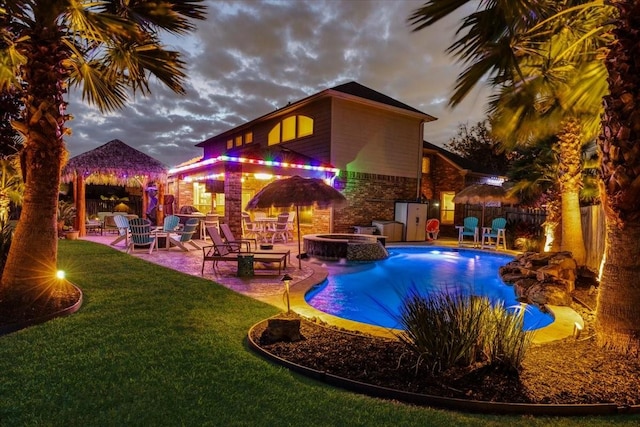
(353, 90)
(456, 160)
(114, 163)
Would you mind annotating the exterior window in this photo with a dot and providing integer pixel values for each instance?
(289, 129)
(305, 126)
(426, 165)
(201, 199)
(447, 207)
(248, 137)
(229, 144)
(238, 141)
(274, 135)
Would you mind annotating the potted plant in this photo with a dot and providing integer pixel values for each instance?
(66, 216)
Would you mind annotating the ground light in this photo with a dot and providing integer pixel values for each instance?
(286, 279)
(60, 274)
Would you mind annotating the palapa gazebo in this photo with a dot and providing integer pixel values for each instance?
(114, 163)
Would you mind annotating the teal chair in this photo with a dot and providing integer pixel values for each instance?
(181, 237)
(141, 235)
(170, 224)
(469, 228)
(493, 236)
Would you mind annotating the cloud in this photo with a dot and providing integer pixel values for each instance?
(249, 58)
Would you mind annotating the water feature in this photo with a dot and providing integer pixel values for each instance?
(372, 292)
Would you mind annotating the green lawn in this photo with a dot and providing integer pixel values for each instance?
(151, 346)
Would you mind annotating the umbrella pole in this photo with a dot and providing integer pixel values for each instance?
(298, 225)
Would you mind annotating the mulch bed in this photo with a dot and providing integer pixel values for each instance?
(568, 371)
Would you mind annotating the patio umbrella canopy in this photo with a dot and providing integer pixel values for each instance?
(481, 194)
(296, 191)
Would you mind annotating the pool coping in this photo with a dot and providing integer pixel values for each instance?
(563, 326)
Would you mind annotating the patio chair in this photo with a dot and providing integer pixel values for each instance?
(292, 217)
(230, 238)
(121, 222)
(170, 224)
(494, 235)
(221, 251)
(209, 220)
(469, 228)
(181, 237)
(141, 235)
(250, 229)
(432, 229)
(280, 228)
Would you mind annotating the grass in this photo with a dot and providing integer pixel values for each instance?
(152, 346)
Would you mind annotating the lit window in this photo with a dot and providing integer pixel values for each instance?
(305, 126)
(447, 207)
(238, 141)
(274, 135)
(426, 165)
(229, 144)
(289, 128)
(248, 137)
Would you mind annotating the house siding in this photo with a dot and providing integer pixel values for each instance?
(372, 140)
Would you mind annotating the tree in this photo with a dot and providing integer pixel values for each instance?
(617, 315)
(476, 144)
(105, 48)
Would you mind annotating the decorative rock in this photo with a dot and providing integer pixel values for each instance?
(281, 329)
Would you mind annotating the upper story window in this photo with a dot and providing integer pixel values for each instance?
(426, 165)
(291, 128)
(239, 140)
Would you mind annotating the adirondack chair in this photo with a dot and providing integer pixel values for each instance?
(122, 224)
(141, 235)
(180, 238)
(469, 228)
(493, 236)
(170, 224)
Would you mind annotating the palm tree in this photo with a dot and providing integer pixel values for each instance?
(617, 316)
(48, 46)
(11, 185)
(617, 313)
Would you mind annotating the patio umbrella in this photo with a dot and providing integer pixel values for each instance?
(481, 194)
(296, 191)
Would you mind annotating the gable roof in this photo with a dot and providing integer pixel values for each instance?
(361, 91)
(352, 90)
(458, 161)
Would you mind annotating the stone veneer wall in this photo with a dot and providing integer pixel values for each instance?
(370, 197)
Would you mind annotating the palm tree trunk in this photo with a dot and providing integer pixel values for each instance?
(617, 312)
(29, 272)
(570, 180)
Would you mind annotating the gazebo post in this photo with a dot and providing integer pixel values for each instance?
(160, 210)
(79, 193)
(144, 182)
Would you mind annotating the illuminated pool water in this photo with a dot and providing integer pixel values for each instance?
(372, 292)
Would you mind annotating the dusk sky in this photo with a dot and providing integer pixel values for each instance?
(249, 58)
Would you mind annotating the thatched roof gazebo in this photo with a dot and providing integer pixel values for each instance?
(114, 163)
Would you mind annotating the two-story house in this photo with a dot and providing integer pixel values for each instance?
(364, 143)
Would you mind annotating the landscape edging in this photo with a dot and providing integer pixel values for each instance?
(464, 405)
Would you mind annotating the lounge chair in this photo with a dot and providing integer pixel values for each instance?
(494, 235)
(433, 229)
(180, 238)
(221, 251)
(469, 228)
(141, 235)
(230, 238)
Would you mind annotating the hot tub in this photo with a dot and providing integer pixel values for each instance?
(352, 247)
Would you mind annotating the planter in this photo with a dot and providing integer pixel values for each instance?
(71, 235)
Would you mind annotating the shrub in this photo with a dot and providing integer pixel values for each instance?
(448, 330)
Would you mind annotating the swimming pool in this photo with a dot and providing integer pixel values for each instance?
(372, 292)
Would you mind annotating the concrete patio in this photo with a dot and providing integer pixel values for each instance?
(267, 286)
